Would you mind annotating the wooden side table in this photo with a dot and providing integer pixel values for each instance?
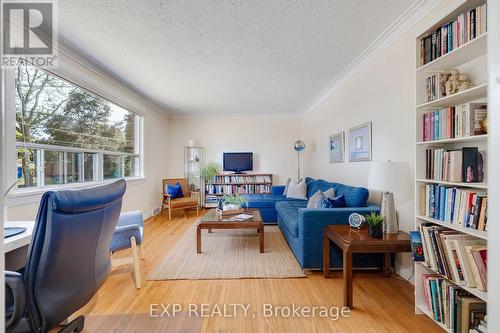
(351, 241)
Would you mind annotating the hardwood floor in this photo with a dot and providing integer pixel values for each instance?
(381, 304)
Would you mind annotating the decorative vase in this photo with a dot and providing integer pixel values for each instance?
(388, 211)
(375, 231)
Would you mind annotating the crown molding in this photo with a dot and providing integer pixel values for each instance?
(195, 115)
(401, 25)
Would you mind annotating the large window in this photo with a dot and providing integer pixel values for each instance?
(66, 134)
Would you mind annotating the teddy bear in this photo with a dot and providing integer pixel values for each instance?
(452, 83)
(464, 82)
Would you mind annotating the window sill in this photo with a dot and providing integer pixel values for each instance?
(18, 197)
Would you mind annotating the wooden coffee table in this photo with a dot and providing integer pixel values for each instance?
(212, 221)
(357, 241)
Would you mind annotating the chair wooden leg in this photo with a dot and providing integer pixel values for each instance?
(169, 214)
(141, 254)
(197, 210)
(162, 206)
(137, 273)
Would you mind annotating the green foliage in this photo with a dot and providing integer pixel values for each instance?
(209, 171)
(236, 199)
(374, 219)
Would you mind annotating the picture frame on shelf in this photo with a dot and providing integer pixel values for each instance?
(360, 143)
(336, 147)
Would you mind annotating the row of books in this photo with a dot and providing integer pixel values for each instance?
(458, 310)
(237, 189)
(461, 207)
(465, 28)
(434, 86)
(455, 122)
(459, 257)
(458, 165)
(243, 179)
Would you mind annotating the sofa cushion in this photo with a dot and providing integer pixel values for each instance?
(354, 196)
(297, 190)
(289, 214)
(286, 186)
(315, 200)
(337, 202)
(175, 191)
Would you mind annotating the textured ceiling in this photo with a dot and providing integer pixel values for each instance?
(190, 57)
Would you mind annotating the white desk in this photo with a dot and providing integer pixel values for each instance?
(17, 241)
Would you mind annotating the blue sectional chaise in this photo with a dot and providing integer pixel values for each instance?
(303, 227)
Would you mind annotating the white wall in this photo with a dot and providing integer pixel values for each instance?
(382, 92)
(269, 138)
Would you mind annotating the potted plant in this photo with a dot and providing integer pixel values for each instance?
(234, 201)
(209, 171)
(375, 222)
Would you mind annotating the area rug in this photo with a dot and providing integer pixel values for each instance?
(229, 254)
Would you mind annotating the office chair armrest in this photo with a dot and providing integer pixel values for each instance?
(15, 282)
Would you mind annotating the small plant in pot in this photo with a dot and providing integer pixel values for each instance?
(234, 201)
(209, 171)
(375, 222)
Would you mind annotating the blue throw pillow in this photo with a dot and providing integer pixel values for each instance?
(175, 191)
(336, 202)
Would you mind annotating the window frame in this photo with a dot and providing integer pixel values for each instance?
(13, 145)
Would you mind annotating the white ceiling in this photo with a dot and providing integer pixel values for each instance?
(223, 56)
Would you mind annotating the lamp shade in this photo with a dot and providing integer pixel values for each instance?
(392, 177)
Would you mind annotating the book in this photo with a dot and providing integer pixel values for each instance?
(465, 306)
(417, 248)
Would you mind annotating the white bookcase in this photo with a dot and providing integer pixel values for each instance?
(470, 58)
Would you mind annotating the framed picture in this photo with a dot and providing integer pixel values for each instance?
(360, 143)
(336, 148)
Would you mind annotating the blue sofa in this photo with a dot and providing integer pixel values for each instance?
(266, 203)
(303, 227)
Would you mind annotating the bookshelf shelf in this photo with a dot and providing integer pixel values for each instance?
(473, 138)
(426, 311)
(467, 52)
(483, 186)
(470, 58)
(474, 291)
(477, 233)
(465, 96)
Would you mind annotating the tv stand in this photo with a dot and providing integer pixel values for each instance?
(237, 183)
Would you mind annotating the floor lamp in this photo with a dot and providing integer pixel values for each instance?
(298, 146)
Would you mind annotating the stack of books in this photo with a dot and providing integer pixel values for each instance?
(448, 37)
(461, 207)
(459, 257)
(458, 310)
(455, 122)
(458, 165)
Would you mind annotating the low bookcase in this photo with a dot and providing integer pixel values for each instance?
(247, 183)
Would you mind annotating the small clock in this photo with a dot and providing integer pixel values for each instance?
(356, 220)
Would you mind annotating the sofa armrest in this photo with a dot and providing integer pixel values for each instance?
(277, 189)
(312, 221)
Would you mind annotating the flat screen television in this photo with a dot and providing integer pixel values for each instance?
(237, 162)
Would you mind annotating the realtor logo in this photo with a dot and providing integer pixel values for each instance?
(29, 32)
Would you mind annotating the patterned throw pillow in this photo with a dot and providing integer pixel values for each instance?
(336, 202)
(330, 193)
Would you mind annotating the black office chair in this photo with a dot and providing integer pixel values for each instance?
(68, 259)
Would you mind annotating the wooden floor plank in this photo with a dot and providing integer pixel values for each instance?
(381, 304)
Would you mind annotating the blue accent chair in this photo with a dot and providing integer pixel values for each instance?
(68, 259)
(129, 234)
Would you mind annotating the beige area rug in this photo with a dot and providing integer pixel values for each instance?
(229, 254)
